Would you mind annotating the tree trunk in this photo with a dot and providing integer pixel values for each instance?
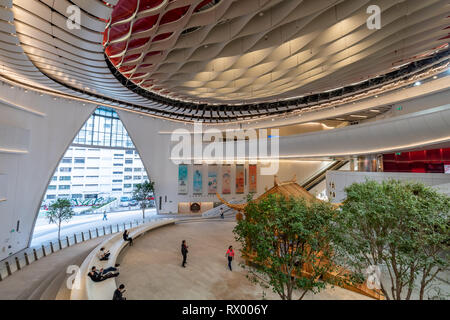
(143, 213)
(59, 230)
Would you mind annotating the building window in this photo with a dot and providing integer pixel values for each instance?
(79, 160)
(117, 172)
(137, 169)
(127, 185)
(93, 168)
(128, 161)
(117, 180)
(127, 177)
(137, 178)
(129, 152)
(51, 187)
(118, 165)
(65, 169)
(66, 160)
(51, 196)
(91, 176)
(64, 187)
(91, 185)
(64, 178)
(77, 196)
(54, 178)
(90, 196)
(117, 189)
(128, 169)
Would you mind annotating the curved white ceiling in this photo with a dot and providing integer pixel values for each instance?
(240, 51)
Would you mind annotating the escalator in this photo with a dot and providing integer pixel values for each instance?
(321, 175)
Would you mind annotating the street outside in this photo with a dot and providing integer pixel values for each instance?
(44, 231)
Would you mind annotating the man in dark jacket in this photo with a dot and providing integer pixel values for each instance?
(184, 252)
(103, 274)
(118, 293)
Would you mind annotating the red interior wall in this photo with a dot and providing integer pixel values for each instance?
(431, 161)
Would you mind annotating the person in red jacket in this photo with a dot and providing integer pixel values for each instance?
(230, 256)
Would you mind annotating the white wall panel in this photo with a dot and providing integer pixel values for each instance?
(45, 135)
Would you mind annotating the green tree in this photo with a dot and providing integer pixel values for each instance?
(400, 227)
(59, 211)
(142, 192)
(283, 237)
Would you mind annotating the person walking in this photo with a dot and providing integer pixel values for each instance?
(104, 216)
(221, 212)
(230, 256)
(184, 252)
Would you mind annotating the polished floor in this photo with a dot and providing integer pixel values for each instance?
(151, 269)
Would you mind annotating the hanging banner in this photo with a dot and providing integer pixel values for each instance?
(182, 179)
(226, 179)
(252, 178)
(240, 179)
(197, 178)
(212, 180)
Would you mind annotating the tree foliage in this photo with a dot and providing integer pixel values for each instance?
(142, 192)
(285, 237)
(60, 211)
(401, 227)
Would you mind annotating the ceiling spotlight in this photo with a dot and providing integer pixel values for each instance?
(417, 83)
(435, 77)
(376, 96)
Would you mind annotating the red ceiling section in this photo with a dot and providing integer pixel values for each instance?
(150, 12)
(149, 4)
(123, 10)
(137, 43)
(115, 48)
(425, 161)
(131, 57)
(162, 36)
(174, 15)
(145, 24)
(126, 68)
(118, 31)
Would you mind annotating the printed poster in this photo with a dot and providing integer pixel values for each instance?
(197, 178)
(182, 179)
(240, 179)
(252, 178)
(226, 179)
(212, 180)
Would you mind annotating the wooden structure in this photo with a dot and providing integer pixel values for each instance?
(292, 189)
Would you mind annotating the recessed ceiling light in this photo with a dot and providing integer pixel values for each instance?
(435, 77)
(417, 83)
(374, 110)
(357, 116)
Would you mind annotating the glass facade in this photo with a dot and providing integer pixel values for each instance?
(100, 164)
(105, 129)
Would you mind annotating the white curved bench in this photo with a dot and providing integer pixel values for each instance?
(86, 289)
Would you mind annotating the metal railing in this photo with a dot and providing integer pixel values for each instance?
(27, 256)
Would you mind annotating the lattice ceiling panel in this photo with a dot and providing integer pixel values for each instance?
(234, 51)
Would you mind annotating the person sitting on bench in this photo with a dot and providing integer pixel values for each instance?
(103, 274)
(103, 254)
(127, 238)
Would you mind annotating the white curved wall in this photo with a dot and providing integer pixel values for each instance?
(35, 131)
